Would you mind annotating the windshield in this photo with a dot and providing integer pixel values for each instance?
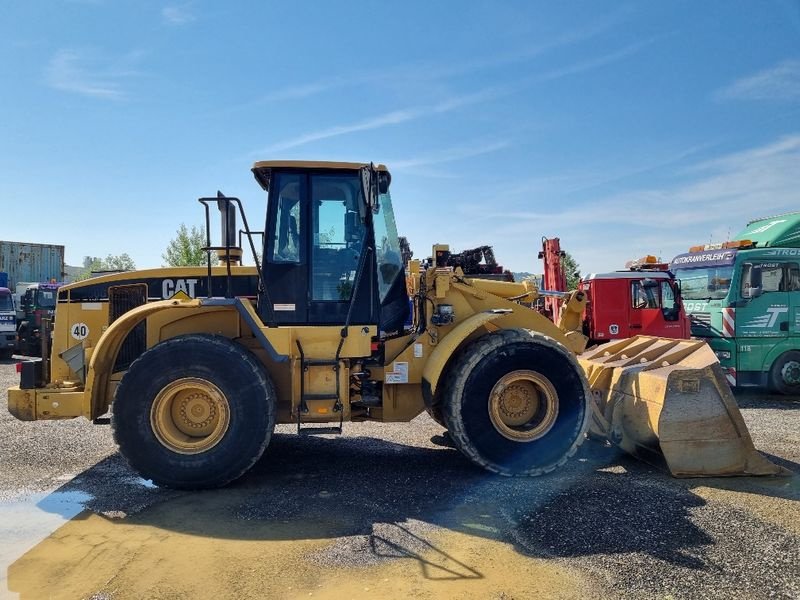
(387, 246)
(6, 302)
(709, 283)
(46, 298)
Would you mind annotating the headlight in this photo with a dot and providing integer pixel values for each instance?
(723, 354)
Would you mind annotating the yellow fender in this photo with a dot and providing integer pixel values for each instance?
(447, 347)
(105, 353)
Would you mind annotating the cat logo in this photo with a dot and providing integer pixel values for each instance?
(180, 289)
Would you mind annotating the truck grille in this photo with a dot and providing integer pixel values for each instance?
(701, 323)
(123, 298)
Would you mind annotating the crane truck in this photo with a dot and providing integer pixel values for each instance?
(197, 365)
(644, 299)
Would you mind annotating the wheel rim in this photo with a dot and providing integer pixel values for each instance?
(790, 373)
(190, 415)
(523, 406)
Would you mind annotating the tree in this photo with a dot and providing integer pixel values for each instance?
(119, 262)
(186, 250)
(572, 271)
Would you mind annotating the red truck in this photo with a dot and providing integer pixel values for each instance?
(644, 299)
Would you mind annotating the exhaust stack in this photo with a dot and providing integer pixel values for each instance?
(231, 254)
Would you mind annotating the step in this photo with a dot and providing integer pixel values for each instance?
(368, 402)
(319, 430)
(320, 362)
(312, 397)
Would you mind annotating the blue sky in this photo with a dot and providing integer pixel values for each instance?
(623, 128)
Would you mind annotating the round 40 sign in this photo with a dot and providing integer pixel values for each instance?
(79, 331)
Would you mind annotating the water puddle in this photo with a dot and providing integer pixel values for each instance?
(26, 521)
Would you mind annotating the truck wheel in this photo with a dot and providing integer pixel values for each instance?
(516, 403)
(435, 413)
(195, 411)
(784, 376)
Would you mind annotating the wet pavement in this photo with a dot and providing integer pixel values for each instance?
(390, 511)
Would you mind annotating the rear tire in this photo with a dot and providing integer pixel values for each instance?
(195, 411)
(435, 413)
(516, 403)
(784, 376)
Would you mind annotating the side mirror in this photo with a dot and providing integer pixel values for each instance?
(755, 289)
(384, 181)
(752, 292)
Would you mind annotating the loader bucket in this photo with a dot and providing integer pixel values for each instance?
(665, 400)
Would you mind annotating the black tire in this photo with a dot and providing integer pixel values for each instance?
(240, 378)
(472, 377)
(435, 413)
(784, 376)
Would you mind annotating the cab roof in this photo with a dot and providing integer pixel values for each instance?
(312, 164)
(778, 231)
(269, 165)
(629, 275)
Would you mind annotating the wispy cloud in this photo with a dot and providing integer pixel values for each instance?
(778, 83)
(425, 72)
(410, 114)
(593, 63)
(177, 14)
(461, 152)
(720, 196)
(82, 73)
(395, 117)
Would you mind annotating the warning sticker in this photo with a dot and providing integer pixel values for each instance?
(398, 374)
(283, 307)
(417, 350)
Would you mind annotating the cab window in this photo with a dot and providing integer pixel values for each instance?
(338, 234)
(771, 278)
(792, 279)
(645, 296)
(286, 236)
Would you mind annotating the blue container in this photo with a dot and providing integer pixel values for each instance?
(31, 263)
(3, 279)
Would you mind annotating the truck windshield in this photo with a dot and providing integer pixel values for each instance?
(709, 283)
(5, 302)
(46, 298)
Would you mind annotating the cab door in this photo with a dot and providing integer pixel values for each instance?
(645, 302)
(793, 289)
(318, 240)
(764, 319)
(338, 242)
(285, 254)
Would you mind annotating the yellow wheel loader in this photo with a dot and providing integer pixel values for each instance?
(196, 365)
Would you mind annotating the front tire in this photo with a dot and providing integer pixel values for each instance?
(516, 403)
(195, 411)
(784, 376)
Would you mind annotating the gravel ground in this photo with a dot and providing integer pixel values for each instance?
(634, 531)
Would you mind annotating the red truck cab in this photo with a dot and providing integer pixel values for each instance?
(623, 304)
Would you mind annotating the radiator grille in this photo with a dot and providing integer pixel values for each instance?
(121, 299)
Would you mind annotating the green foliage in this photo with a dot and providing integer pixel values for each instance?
(572, 270)
(119, 262)
(186, 250)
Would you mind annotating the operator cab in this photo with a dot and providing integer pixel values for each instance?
(331, 251)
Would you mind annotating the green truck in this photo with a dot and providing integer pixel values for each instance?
(743, 298)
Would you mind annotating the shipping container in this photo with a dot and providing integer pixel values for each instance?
(31, 262)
